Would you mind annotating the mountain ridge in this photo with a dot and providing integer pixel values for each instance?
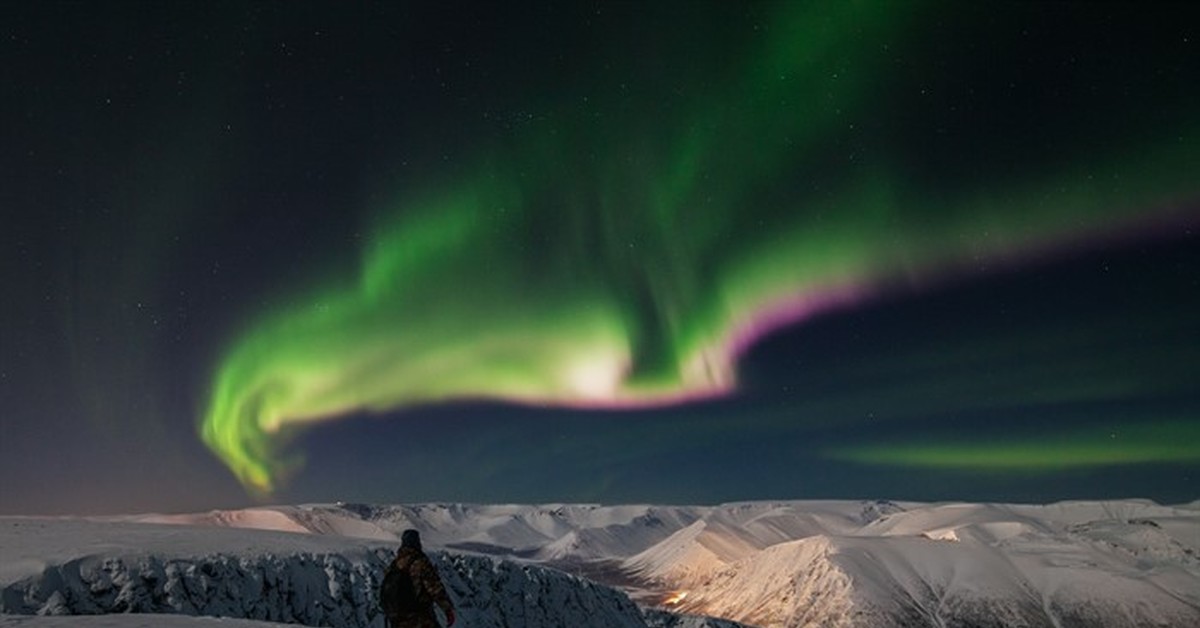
(823, 562)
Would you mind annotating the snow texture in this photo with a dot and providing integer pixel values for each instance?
(656, 618)
(1096, 565)
(128, 621)
(274, 577)
(1110, 564)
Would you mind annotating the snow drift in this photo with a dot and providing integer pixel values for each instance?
(1111, 564)
(60, 567)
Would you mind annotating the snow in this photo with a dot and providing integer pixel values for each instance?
(68, 566)
(1107, 564)
(1073, 564)
(128, 621)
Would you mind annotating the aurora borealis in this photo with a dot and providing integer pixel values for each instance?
(575, 253)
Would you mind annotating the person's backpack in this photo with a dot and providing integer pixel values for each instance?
(398, 592)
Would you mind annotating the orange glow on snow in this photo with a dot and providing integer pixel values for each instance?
(675, 598)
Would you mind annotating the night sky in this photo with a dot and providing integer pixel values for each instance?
(609, 252)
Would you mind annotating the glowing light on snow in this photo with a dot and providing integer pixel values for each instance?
(675, 598)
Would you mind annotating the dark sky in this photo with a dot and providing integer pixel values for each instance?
(597, 251)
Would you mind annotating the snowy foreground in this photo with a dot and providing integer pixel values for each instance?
(870, 564)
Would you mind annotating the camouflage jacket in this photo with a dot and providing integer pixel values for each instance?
(429, 588)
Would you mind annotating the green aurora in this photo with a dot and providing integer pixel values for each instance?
(629, 261)
(1171, 441)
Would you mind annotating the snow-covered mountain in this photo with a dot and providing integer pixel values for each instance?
(729, 533)
(654, 619)
(1079, 564)
(59, 567)
(801, 563)
(143, 620)
(547, 532)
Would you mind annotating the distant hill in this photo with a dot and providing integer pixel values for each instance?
(1102, 564)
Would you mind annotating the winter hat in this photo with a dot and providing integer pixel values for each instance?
(410, 538)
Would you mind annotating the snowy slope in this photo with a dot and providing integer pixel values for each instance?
(128, 621)
(548, 532)
(57, 566)
(654, 619)
(1103, 565)
(825, 563)
(731, 532)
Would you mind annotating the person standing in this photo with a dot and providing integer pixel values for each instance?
(411, 588)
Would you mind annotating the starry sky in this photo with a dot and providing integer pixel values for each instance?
(687, 252)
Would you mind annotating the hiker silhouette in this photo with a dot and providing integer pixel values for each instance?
(411, 588)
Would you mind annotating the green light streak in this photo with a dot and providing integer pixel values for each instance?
(1162, 442)
(602, 265)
